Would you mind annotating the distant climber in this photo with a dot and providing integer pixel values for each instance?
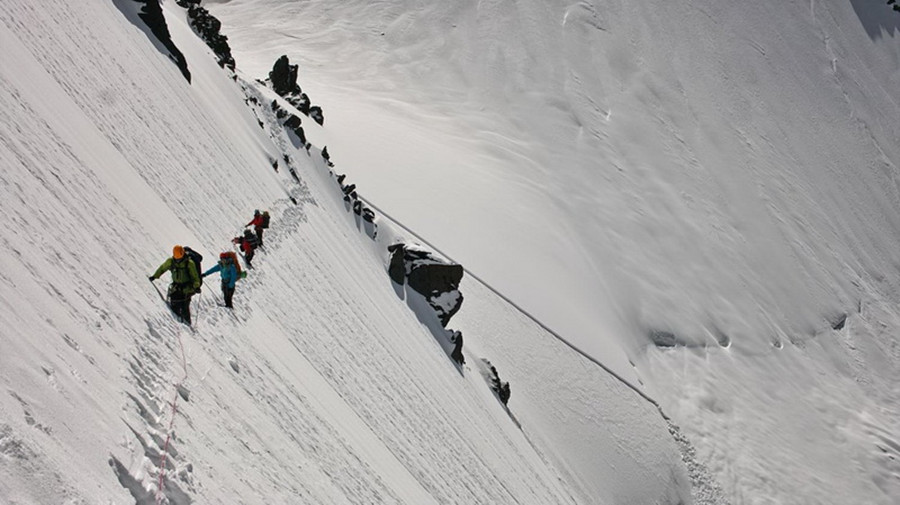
(259, 223)
(230, 271)
(185, 282)
(248, 244)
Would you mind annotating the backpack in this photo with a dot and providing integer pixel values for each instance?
(196, 258)
(265, 219)
(234, 260)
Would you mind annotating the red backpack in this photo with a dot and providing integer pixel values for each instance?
(234, 260)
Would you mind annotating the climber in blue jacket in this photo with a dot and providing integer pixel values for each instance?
(230, 271)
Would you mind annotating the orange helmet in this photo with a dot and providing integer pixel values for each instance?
(178, 252)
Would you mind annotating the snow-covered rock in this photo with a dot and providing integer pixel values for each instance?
(435, 279)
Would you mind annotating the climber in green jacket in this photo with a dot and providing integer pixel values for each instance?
(185, 282)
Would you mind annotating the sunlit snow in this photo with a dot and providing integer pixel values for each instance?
(679, 222)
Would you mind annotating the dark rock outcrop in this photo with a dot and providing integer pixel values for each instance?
(292, 122)
(315, 112)
(302, 136)
(209, 28)
(396, 268)
(355, 204)
(500, 387)
(457, 355)
(436, 280)
(283, 79)
(300, 101)
(152, 15)
(277, 109)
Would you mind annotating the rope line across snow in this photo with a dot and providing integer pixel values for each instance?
(524, 312)
(174, 403)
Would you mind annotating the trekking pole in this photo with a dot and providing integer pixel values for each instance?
(163, 298)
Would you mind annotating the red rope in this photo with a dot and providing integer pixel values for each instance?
(162, 459)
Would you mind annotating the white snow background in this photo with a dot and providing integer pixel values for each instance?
(720, 176)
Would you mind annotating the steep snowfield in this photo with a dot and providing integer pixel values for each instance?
(717, 178)
(327, 384)
(689, 151)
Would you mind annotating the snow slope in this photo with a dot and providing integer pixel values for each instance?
(701, 195)
(328, 384)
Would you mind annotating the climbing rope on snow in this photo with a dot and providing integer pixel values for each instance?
(174, 404)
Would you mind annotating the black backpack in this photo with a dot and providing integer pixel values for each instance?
(196, 258)
(265, 219)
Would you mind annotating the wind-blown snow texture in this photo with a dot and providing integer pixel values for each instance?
(705, 189)
(327, 384)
